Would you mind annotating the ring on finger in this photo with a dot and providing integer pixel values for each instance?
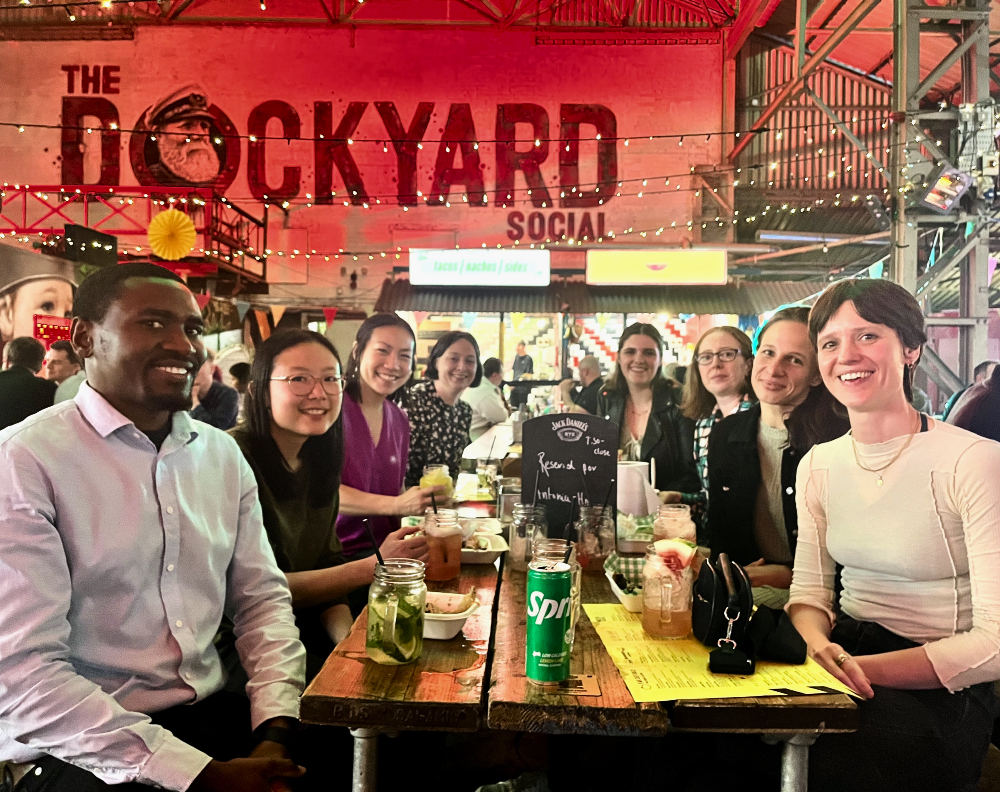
(841, 659)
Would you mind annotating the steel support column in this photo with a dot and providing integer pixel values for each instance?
(914, 153)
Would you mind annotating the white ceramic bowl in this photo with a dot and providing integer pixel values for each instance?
(632, 602)
(498, 545)
(445, 626)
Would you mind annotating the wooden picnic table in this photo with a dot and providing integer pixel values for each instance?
(516, 704)
(441, 691)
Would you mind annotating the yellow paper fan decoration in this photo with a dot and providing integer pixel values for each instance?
(172, 235)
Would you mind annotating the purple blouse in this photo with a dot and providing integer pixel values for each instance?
(376, 469)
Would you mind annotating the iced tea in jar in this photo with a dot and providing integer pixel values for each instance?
(444, 544)
(667, 585)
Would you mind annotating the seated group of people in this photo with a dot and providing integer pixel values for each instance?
(876, 527)
(146, 558)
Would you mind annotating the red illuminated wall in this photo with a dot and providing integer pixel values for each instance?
(465, 87)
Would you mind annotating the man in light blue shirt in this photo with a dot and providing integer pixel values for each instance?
(127, 531)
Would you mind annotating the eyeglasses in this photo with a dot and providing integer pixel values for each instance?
(303, 384)
(724, 355)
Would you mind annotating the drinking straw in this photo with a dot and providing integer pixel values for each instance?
(607, 498)
(434, 504)
(569, 552)
(371, 536)
(586, 491)
(489, 456)
(534, 498)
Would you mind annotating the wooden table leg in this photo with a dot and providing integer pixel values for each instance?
(795, 763)
(365, 778)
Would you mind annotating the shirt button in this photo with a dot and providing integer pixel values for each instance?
(789, 491)
(170, 509)
(179, 623)
(188, 675)
(136, 435)
(170, 567)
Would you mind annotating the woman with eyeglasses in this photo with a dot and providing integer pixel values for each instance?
(640, 400)
(293, 440)
(909, 507)
(753, 456)
(717, 385)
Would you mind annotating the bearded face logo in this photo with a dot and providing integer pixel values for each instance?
(184, 141)
(186, 151)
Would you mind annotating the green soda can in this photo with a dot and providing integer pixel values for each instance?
(550, 611)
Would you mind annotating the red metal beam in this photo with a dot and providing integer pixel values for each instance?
(750, 14)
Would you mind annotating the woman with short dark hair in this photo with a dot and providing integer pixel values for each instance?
(640, 400)
(910, 508)
(439, 419)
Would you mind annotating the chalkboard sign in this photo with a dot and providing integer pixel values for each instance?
(573, 458)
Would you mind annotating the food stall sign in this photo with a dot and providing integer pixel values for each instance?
(473, 267)
(671, 267)
(49, 329)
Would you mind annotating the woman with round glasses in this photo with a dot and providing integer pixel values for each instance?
(640, 400)
(910, 508)
(717, 385)
(293, 440)
(753, 456)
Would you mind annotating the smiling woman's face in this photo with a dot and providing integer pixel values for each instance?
(46, 296)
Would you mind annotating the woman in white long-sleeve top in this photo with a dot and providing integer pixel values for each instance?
(910, 507)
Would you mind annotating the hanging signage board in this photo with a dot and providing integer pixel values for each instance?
(672, 267)
(570, 458)
(49, 329)
(479, 267)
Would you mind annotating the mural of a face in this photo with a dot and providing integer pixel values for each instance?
(48, 296)
(186, 150)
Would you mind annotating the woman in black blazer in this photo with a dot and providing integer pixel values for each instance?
(753, 455)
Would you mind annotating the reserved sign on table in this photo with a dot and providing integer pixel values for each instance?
(573, 459)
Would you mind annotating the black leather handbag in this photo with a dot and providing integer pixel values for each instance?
(723, 617)
(720, 616)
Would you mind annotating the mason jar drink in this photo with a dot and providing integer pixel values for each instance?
(396, 612)
(673, 521)
(595, 532)
(550, 607)
(444, 543)
(554, 550)
(529, 524)
(438, 476)
(666, 597)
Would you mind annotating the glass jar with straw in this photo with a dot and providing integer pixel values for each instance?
(529, 524)
(555, 550)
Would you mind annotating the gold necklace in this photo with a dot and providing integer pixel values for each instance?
(878, 471)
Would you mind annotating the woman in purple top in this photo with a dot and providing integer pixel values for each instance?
(377, 435)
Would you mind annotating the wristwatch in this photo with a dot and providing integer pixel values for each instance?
(283, 735)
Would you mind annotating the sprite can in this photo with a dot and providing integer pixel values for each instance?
(550, 611)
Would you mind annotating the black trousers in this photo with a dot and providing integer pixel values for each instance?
(909, 740)
(218, 725)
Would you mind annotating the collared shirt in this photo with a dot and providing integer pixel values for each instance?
(487, 406)
(70, 386)
(117, 562)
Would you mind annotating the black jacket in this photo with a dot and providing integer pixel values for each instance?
(734, 482)
(669, 437)
(23, 394)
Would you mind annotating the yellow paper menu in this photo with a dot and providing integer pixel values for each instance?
(668, 670)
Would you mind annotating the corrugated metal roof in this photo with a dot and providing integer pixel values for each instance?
(575, 297)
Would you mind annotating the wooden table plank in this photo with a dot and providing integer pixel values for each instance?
(441, 691)
(514, 703)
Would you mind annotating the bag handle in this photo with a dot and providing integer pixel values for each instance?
(732, 598)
